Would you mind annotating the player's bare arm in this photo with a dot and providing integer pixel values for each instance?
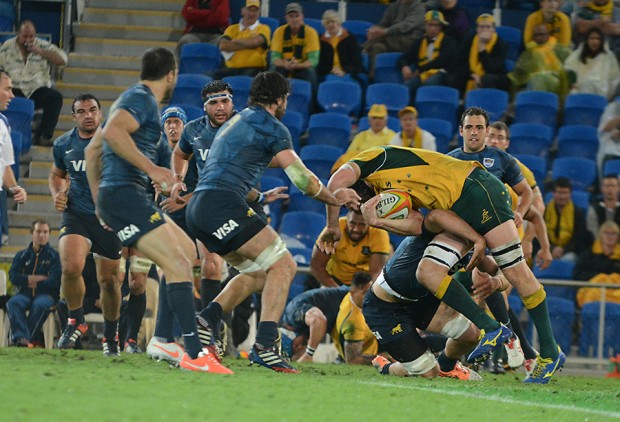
(59, 186)
(179, 164)
(93, 153)
(526, 197)
(353, 353)
(318, 264)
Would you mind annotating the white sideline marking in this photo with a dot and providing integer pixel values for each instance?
(497, 399)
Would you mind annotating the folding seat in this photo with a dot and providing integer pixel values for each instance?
(272, 23)
(340, 96)
(302, 257)
(537, 107)
(329, 129)
(580, 171)
(537, 165)
(394, 96)
(578, 141)
(300, 202)
(188, 88)
(494, 101)
(530, 139)
(320, 158)
(241, 90)
(588, 342)
(580, 198)
(514, 38)
(358, 29)
(316, 24)
(558, 270)
(199, 58)
(274, 209)
(300, 98)
(20, 114)
(439, 102)
(294, 121)
(16, 140)
(393, 123)
(386, 68)
(562, 316)
(441, 130)
(192, 111)
(583, 109)
(302, 226)
(611, 167)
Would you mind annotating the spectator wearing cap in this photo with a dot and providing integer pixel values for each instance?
(483, 61)
(430, 59)
(412, 135)
(295, 46)
(340, 53)
(377, 135)
(401, 25)
(206, 22)
(556, 21)
(244, 45)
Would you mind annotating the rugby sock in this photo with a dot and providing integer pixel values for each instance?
(536, 305)
(436, 342)
(180, 300)
(386, 369)
(109, 329)
(77, 314)
(135, 312)
(517, 328)
(267, 334)
(164, 328)
(455, 296)
(446, 364)
(497, 306)
(209, 289)
(212, 314)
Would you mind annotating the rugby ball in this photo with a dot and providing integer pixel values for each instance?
(394, 204)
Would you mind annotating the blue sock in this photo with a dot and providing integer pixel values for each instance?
(77, 314)
(165, 320)
(209, 289)
(446, 364)
(212, 314)
(181, 302)
(110, 329)
(135, 312)
(267, 334)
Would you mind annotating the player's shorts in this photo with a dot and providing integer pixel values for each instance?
(484, 202)
(129, 211)
(222, 220)
(295, 316)
(180, 219)
(391, 321)
(102, 241)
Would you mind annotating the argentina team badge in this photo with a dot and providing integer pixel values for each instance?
(488, 162)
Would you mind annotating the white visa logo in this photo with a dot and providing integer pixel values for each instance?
(225, 229)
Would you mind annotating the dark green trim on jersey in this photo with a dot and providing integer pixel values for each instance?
(392, 158)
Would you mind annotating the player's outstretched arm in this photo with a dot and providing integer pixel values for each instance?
(410, 226)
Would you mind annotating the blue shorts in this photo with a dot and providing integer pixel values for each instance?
(294, 316)
(103, 242)
(129, 211)
(222, 220)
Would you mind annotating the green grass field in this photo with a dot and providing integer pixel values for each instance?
(82, 385)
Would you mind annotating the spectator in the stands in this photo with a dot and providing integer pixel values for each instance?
(411, 134)
(206, 22)
(601, 14)
(401, 25)
(608, 208)
(377, 135)
(295, 47)
(28, 59)
(609, 134)
(340, 53)
(592, 68)
(540, 66)
(430, 59)
(244, 45)
(556, 21)
(566, 223)
(482, 63)
(456, 16)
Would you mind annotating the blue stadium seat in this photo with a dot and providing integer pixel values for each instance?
(187, 89)
(320, 158)
(537, 107)
(300, 202)
(494, 101)
(530, 139)
(386, 68)
(300, 98)
(316, 24)
(358, 29)
(537, 165)
(302, 257)
(514, 38)
(515, 302)
(20, 114)
(371, 12)
(588, 342)
(583, 109)
(241, 90)
(272, 23)
(393, 123)
(510, 65)
(441, 130)
(329, 129)
(294, 122)
(439, 102)
(394, 96)
(192, 111)
(279, 173)
(611, 167)
(558, 270)
(274, 209)
(340, 97)
(578, 141)
(580, 171)
(199, 58)
(580, 198)
(303, 226)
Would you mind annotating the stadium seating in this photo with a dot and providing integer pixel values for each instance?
(562, 316)
(531, 139)
(580, 198)
(393, 123)
(272, 23)
(494, 101)
(580, 171)
(187, 89)
(320, 159)
(302, 257)
(241, 90)
(329, 129)
(300, 202)
(441, 130)
(396, 239)
(394, 96)
(583, 109)
(611, 167)
(340, 97)
(558, 270)
(537, 107)
(578, 141)
(316, 24)
(302, 226)
(20, 114)
(439, 102)
(588, 342)
(514, 38)
(386, 69)
(192, 111)
(199, 58)
(300, 98)
(275, 208)
(358, 29)
(537, 165)
(294, 122)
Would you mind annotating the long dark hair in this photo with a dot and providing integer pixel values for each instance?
(586, 51)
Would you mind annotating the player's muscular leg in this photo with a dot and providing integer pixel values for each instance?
(73, 251)
(431, 272)
(210, 263)
(110, 283)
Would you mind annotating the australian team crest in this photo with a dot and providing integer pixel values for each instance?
(488, 162)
